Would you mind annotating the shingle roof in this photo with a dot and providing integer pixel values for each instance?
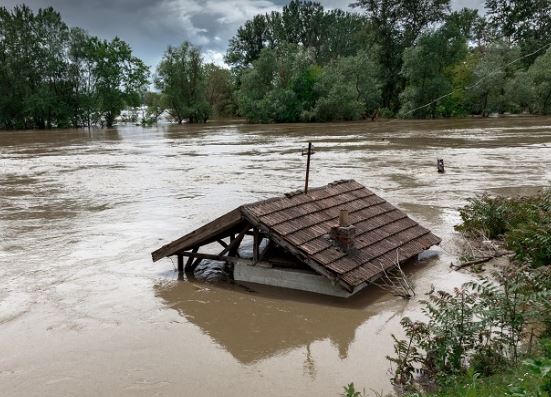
(301, 223)
(384, 234)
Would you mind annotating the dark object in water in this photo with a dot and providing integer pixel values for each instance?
(440, 166)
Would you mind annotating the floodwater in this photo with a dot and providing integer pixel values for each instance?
(84, 311)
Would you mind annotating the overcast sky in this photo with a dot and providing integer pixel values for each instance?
(149, 26)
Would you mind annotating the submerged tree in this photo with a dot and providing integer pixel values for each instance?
(181, 79)
(219, 90)
(53, 76)
(486, 92)
(120, 78)
(278, 86)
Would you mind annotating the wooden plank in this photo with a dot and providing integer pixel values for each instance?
(200, 236)
(213, 257)
(190, 259)
(256, 243)
(234, 245)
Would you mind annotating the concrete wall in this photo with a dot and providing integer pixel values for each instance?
(287, 278)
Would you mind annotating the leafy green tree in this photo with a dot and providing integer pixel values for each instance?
(427, 67)
(83, 59)
(120, 78)
(486, 92)
(278, 86)
(219, 90)
(519, 92)
(540, 73)
(395, 25)
(327, 34)
(53, 76)
(462, 75)
(526, 23)
(181, 79)
(349, 89)
(154, 103)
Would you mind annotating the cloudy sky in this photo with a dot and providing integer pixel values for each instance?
(149, 26)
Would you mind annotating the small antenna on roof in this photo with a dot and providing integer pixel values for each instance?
(307, 152)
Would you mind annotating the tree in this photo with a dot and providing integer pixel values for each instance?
(181, 79)
(348, 89)
(267, 92)
(395, 25)
(53, 76)
(327, 34)
(540, 73)
(427, 67)
(486, 92)
(219, 90)
(154, 103)
(525, 23)
(519, 92)
(120, 78)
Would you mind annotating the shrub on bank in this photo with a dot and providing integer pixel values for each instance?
(522, 223)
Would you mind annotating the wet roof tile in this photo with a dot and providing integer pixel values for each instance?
(384, 234)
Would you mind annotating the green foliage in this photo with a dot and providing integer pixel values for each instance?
(219, 90)
(529, 379)
(307, 24)
(53, 76)
(479, 326)
(519, 92)
(526, 23)
(154, 102)
(394, 26)
(286, 85)
(540, 73)
(428, 65)
(350, 391)
(486, 90)
(524, 223)
(181, 79)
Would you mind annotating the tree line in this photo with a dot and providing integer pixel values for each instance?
(393, 58)
(55, 76)
(52, 75)
(383, 58)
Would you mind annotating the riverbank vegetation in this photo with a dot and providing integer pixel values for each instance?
(490, 336)
(398, 58)
(393, 58)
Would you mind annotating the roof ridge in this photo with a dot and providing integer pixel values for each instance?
(294, 193)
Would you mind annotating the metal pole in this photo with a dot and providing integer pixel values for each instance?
(307, 167)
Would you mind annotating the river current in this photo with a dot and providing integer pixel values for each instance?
(84, 311)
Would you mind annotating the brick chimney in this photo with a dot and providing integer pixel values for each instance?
(343, 234)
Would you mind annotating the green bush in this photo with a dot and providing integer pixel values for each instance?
(523, 223)
(480, 326)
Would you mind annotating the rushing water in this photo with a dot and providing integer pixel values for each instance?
(84, 311)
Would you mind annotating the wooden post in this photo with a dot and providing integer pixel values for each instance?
(309, 153)
(256, 244)
(180, 263)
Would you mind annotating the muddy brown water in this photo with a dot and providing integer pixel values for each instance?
(84, 311)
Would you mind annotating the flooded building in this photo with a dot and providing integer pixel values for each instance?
(333, 240)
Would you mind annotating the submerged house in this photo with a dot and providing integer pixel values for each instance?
(333, 240)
